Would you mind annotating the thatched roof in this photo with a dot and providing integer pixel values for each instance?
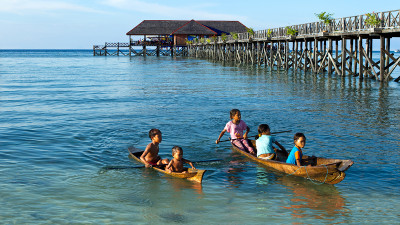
(189, 27)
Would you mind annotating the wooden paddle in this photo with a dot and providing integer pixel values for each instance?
(105, 168)
(278, 132)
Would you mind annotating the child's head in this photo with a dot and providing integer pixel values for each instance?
(263, 129)
(299, 140)
(153, 133)
(177, 152)
(234, 112)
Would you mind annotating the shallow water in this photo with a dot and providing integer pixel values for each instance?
(67, 116)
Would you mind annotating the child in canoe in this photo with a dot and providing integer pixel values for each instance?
(176, 164)
(265, 150)
(296, 155)
(236, 127)
(150, 155)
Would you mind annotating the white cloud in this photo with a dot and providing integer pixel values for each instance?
(38, 6)
(201, 11)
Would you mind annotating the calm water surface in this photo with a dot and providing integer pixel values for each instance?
(67, 116)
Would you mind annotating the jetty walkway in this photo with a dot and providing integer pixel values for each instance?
(343, 46)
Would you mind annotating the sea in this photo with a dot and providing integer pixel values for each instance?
(67, 119)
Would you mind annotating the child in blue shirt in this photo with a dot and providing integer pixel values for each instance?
(296, 155)
(265, 150)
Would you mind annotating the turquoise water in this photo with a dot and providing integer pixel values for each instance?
(67, 116)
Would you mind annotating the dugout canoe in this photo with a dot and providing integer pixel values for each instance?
(330, 171)
(194, 175)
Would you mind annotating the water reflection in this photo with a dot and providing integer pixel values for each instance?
(235, 169)
(233, 175)
(263, 177)
(177, 184)
(182, 184)
(325, 201)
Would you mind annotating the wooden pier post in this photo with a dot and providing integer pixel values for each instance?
(130, 46)
(271, 48)
(296, 52)
(382, 58)
(343, 50)
(366, 56)
(315, 56)
(305, 54)
(144, 46)
(105, 49)
(360, 60)
(279, 54)
(355, 56)
(330, 53)
(387, 56)
(286, 54)
(351, 56)
(159, 46)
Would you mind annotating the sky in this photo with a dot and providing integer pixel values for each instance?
(80, 24)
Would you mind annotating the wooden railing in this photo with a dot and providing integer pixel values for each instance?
(389, 20)
(134, 43)
(112, 45)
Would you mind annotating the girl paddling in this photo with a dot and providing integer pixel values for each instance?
(236, 126)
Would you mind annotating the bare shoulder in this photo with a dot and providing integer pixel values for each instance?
(151, 147)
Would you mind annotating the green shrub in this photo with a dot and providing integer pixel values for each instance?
(372, 20)
(324, 17)
(250, 31)
(234, 35)
(291, 31)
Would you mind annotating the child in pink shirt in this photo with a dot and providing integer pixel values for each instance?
(236, 128)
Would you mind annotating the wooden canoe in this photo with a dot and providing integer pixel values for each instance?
(330, 171)
(191, 174)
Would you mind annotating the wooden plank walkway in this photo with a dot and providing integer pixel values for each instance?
(344, 46)
(138, 49)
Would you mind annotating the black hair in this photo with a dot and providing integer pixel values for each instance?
(153, 132)
(299, 135)
(233, 112)
(176, 149)
(263, 128)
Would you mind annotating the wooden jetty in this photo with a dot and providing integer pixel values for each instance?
(167, 37)
(139, 48)
(342, 46)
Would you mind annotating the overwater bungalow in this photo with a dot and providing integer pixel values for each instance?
(174, 34)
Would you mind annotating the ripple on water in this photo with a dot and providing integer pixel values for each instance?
(67, 116)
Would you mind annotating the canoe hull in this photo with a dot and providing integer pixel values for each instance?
(330, 171)
(191, 174)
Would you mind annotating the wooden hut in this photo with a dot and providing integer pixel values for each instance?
(178, 31)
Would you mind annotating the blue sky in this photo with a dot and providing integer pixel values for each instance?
(73, 24)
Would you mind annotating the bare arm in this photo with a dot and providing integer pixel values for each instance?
(298, 159)
(168, 167)
(246, 133)
(298, 162)
(282, 148)
(143, 156)
(189, 162)
(220, 136)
